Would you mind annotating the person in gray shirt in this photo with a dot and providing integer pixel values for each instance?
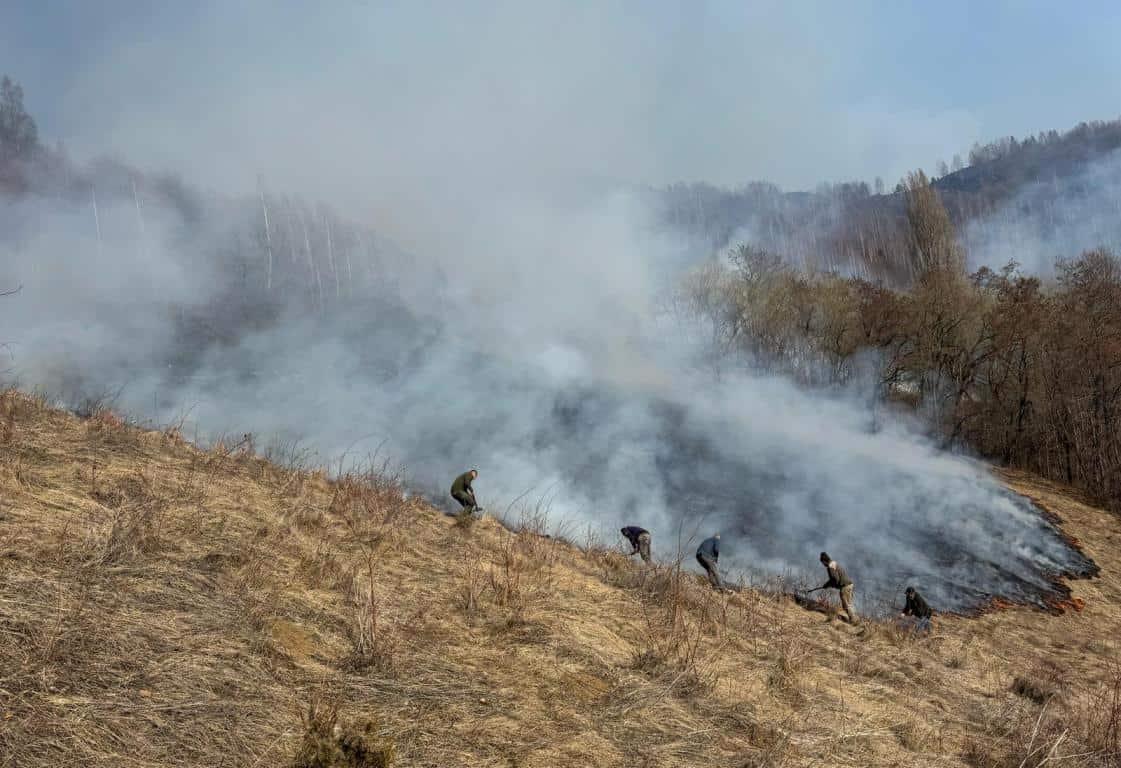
(707, 555)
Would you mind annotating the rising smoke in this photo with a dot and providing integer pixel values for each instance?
(526, 323)
(545, 351)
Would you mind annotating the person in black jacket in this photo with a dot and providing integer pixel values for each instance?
(640, 541)
(707, 555)
(918, 610)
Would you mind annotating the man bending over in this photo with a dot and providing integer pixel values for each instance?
(463, 492)
(640, 541)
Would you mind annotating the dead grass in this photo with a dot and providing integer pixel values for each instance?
(373, 641)
(330, 741)
(162, 605)
(786, 675)
(1043, 682)
(916, 736)
(1099, 713)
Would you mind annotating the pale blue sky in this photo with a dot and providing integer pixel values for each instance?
(350, 95)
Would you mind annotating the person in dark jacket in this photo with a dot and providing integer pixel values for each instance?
(840, 581)
(707, 555)
(463, 492)
(918, 610)
(640, 541)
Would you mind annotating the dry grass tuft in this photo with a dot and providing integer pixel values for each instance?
(322, 568)
(369, 504)
(1013, 739)
(1032, 688)
(506, 577)
(771, 746)
(677, 638)
(8, 405)
(1100, 714)
(133, 527)
(1043, 682)
(786, 676)
(471, 590)
(373, 641)
(332, 742)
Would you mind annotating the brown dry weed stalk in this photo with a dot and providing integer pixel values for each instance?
(373, 642)
(332, 741)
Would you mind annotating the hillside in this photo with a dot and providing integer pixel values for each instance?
(1033, 200)
(1005, 165)
(162, 605)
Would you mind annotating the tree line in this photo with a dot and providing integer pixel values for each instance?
(864, 231)
(1024, 371)
(272, 250)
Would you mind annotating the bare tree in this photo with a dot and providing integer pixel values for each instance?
(96, 218)
(268, 234)
(931, 229)
(139, 218)
(19, 136)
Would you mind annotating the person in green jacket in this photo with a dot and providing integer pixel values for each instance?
(463, 492)
(840, 581)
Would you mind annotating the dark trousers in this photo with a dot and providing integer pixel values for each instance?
(467, 500)
(919, 625)
(710, 569)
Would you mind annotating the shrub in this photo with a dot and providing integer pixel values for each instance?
(372, 646)
(332, 742)
(1032, 688)
(1101, 718)
(1044, 681)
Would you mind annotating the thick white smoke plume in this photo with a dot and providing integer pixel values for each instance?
(537, 345)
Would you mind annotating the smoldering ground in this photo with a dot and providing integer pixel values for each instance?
(542, 352)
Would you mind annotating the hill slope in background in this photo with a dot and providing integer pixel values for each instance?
(161, 605)
(1033, 200)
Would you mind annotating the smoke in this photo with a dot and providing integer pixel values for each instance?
(543, 350)
(375, 103)
(1047, 221)
(523, 323)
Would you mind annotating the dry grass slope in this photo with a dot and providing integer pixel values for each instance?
(161, 605)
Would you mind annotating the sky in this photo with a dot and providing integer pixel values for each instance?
(379, 103)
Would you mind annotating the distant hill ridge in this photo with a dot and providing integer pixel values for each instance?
(857, 228)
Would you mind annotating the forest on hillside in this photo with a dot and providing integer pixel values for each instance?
(1021, 368)
(1052, 182)
(1022, 372)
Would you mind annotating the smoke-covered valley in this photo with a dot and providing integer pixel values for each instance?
(550, 348)
(498, 275)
